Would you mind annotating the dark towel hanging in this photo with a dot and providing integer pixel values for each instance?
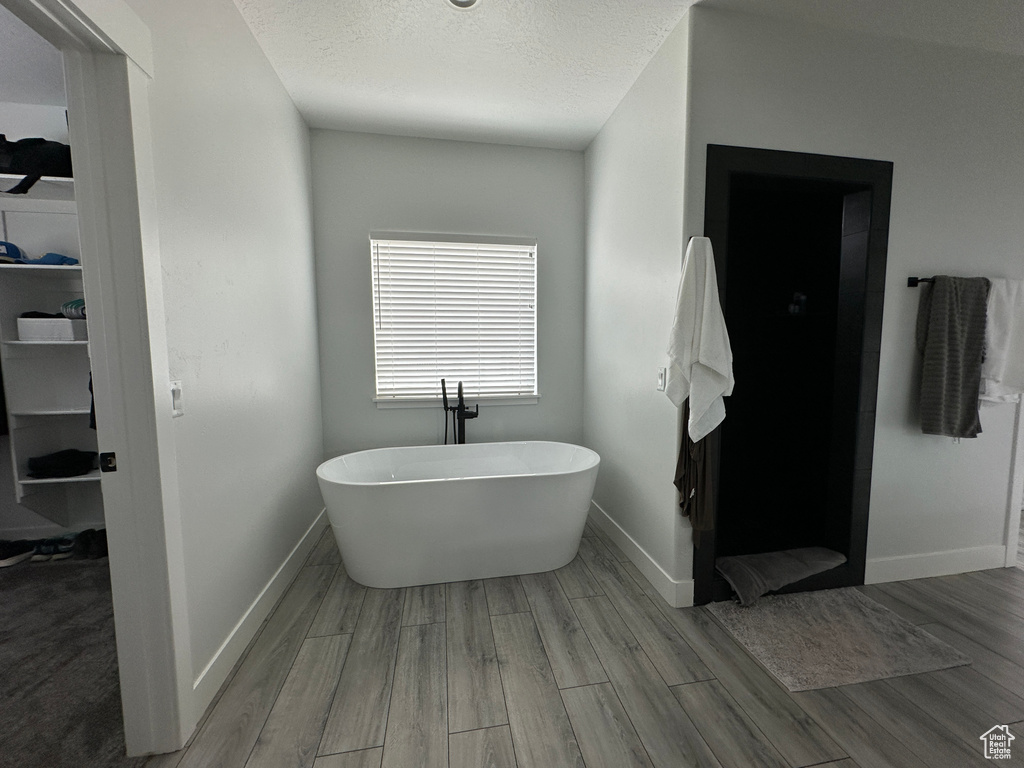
(951, 337)
(694, 480)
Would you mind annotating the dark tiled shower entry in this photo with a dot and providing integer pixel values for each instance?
(800, 247)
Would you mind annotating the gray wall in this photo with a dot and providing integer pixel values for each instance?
(231, 157)
(635, 177)
(368, 182)
(950, 121)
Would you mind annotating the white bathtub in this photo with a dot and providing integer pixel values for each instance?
(425, 515)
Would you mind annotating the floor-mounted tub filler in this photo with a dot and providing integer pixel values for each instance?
(437, 513)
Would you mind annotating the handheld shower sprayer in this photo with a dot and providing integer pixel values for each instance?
(444, 401)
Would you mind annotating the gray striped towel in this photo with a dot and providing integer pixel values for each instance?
(951, 335)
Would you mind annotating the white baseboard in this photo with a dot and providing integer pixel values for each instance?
(677, 593)
(210, 680)
(904, 567)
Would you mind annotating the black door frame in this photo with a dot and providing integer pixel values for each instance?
(725, 162)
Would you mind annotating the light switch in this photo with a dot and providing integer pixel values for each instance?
(176, 407)
(662, 374)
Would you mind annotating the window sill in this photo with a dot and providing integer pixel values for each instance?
(435, 402)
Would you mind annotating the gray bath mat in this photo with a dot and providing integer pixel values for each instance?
(834, 637)
(751, 576)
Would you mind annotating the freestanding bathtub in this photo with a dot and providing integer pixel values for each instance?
(425, 515)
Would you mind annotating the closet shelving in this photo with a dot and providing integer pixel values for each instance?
(46, 383)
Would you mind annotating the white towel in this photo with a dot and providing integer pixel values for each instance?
(699, 353)
(1002, 372)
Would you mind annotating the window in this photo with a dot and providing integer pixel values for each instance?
(462, 309)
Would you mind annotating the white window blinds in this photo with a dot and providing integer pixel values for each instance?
(463, 311)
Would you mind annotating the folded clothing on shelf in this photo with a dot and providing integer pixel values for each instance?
(70, 310)
(51, 260)
(12, 254)
(74, 309)
(9, 252)
(67, 463)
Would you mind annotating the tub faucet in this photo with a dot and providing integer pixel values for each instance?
(461, 414)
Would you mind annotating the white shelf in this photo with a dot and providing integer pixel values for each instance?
(45, 343)
(16, 177)
(91, 477)
(47, 188)
(53, 412)
(42, 270)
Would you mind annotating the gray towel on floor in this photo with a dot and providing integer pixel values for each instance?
(753, 575)
(951, 337)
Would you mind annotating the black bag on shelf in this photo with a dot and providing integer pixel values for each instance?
(67, 463)
(34, 158)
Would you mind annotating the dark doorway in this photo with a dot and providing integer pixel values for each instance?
(800, 243)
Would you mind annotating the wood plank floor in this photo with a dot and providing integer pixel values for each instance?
(587, 667)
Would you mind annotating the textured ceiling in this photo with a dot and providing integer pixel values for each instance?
(534, 72)
(31, 70)
(512, 71)
(508, 71)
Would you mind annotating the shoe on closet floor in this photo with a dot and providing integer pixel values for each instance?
(55, 548)
(91, 543)
(98, 545)
(44, 550)
(82, 543)
(64, 546)
(14, 552)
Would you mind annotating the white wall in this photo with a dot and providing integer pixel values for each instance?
(233, 201)
(366, 182)
(950, 120)
(26, 121)
(32, 68)
(635, 176)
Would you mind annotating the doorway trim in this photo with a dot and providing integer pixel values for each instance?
(725, 162)
(1015, 493)
(108, 61)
